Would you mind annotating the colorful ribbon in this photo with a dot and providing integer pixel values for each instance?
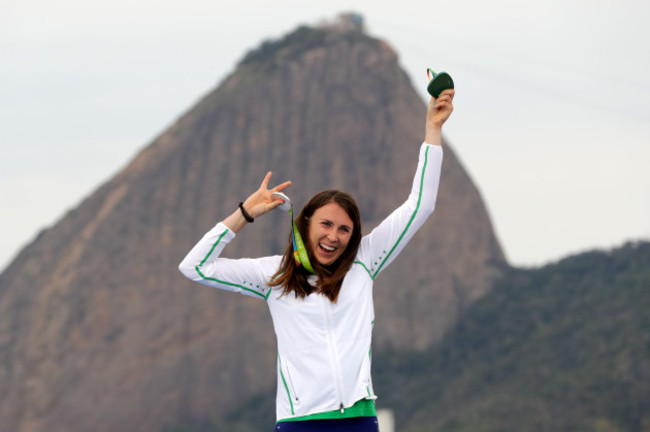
(299, 250)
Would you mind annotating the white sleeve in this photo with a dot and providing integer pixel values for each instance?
(380, 247)
(246, 276)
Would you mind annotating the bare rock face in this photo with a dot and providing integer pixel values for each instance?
(100, 332)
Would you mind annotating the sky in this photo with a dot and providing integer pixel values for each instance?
(551, 119)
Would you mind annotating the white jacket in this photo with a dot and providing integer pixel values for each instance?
(323, 347)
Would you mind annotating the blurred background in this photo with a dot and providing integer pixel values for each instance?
(552, 115)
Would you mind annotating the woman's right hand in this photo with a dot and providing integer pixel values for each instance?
(261, 202)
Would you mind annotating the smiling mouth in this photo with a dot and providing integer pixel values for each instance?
(328, 249)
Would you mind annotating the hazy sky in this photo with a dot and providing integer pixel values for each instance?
(552, 116)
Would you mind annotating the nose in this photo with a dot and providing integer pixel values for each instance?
(332, 236)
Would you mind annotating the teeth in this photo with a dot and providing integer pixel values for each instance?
(327, 248)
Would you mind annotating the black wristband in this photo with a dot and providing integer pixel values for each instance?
(248, 217)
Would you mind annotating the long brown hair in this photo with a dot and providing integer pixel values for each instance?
(293, 279)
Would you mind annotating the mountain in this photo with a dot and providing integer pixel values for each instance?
(562, 348)
(99, 330)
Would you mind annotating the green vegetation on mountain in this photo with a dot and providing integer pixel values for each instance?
(290, 47)
(561, 348)
(295, 44)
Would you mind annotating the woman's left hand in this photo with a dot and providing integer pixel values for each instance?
(439, 110)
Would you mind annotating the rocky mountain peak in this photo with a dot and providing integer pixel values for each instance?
(98, 321)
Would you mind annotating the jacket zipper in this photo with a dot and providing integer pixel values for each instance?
(333, 352)
(293, 387)
(286, 386)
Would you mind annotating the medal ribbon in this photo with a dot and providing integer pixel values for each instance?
(299, 250)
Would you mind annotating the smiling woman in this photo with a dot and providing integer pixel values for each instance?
(323, 312)
(331, 223)
(330, 230)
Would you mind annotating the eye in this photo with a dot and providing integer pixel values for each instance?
(346, 229)
(326, 224)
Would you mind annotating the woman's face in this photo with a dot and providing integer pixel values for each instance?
(330, 229)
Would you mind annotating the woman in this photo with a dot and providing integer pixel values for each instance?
(321, 306)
